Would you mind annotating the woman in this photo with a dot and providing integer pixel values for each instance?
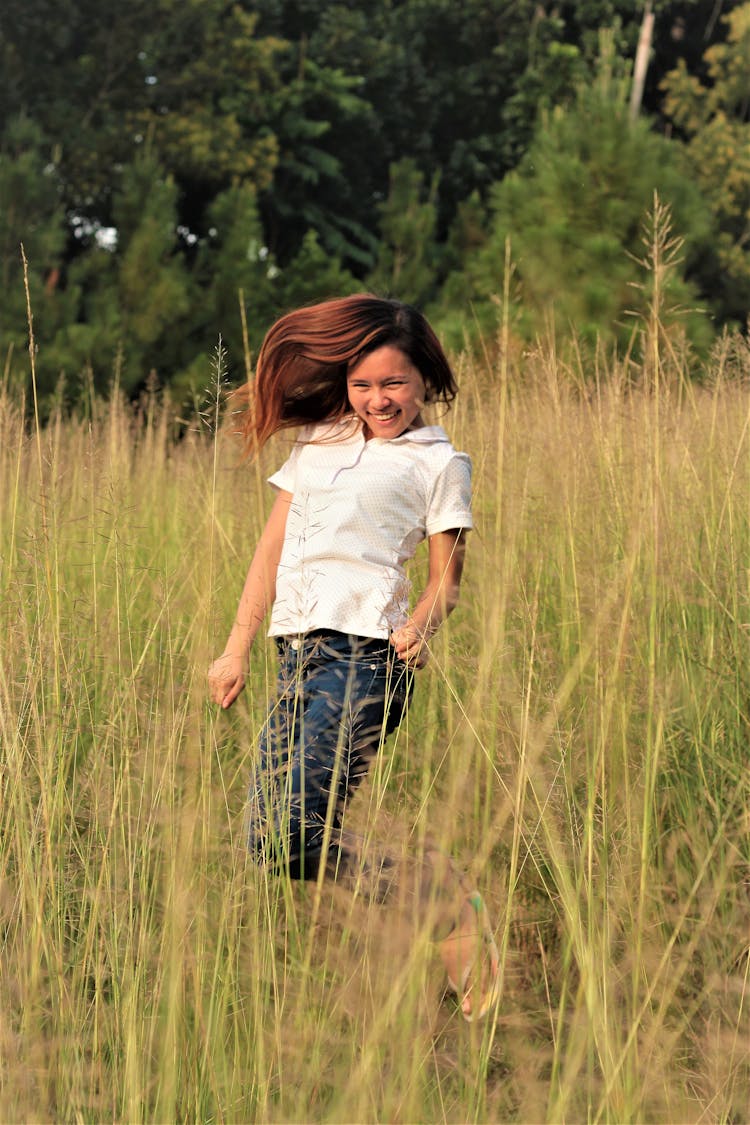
(365, 483)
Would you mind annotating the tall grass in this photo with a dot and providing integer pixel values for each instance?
(579, 744)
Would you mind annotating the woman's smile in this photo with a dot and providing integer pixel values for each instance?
(387, 392)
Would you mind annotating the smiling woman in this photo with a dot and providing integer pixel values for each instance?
(366, 482)
(387, 392)
(307, 356)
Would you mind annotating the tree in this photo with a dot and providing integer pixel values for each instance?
(233, 259)
(31, 213)
(209, 80)
(574, 212)
(310, 190)
(104, 78)
(407, 263)
(440, 79)
(132, 300)
(713, 116)
(270, 128)
(313, 275)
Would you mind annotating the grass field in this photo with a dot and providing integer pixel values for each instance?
(579, 743)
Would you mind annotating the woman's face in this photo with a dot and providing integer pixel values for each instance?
(387, 392)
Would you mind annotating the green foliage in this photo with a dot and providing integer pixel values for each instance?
(146, 306)
(574, 213)
(152, 286)
(234, 263)
(31, 214)
(441, 80)
(714, 117)
(310, 189)
(344, 142)
(206, 111)
(467, 232)
(456, 87)
(407, 263)
(233, 259)
(73, 67)
(312, 275)
(131, 301)
(102, 78)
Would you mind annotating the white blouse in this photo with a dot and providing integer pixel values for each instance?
(359, 511)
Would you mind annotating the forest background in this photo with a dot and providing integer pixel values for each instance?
(165, 163)
(578, 741)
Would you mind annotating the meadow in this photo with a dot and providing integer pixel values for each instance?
(578, 743)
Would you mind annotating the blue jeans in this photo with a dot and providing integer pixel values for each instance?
(338, 697)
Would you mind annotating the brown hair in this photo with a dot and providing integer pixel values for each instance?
(304, 359)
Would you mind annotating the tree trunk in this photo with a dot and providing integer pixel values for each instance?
(641, 60)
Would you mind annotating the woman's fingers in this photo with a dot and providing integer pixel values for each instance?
(234, 690)
(410, 647)
(415, 655)
(225, 681)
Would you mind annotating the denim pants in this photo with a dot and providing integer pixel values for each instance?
(338, 697)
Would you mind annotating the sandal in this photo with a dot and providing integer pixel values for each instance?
(484, 950)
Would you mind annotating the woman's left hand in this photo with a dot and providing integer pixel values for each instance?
(410, 646)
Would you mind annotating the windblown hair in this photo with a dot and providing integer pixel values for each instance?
(303, 362)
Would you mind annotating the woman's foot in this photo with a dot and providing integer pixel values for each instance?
(471, 960)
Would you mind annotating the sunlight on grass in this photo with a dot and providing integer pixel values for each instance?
(578, 744)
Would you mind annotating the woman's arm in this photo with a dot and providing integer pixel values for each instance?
(437, 600)
(226, 676)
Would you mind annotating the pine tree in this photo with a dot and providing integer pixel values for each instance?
(574, 212)
(408, 259)
(714, 118)
(134, 298)
(31, 213)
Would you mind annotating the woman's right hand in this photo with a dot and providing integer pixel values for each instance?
(226, 679)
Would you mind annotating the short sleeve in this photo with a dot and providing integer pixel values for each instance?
(450, 502)
(285, 478)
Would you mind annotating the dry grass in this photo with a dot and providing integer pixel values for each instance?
(579, 744)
